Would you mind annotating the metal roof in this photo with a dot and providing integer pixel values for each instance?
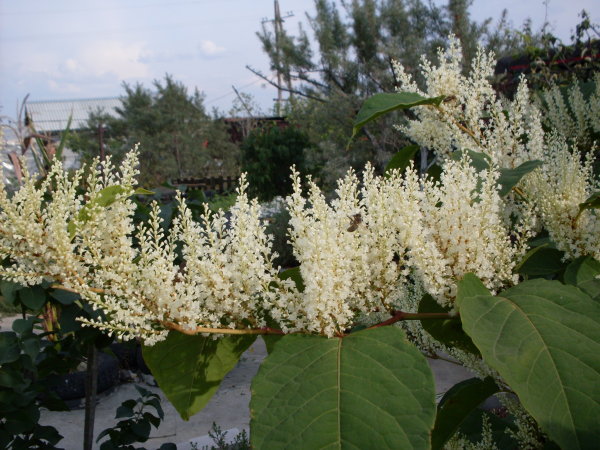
(48, 116)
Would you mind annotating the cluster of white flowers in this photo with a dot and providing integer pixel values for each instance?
(472, 116)
(361, 254)
(224, 280)
(558, 188)
(461, 228)
(349, 252)
(85, 243)
(355, 253)
(570, 114)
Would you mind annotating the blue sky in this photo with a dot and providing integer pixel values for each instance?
(65, 49)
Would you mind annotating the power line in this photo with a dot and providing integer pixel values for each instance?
(232, 92)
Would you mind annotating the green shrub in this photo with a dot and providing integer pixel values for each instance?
(267, 155)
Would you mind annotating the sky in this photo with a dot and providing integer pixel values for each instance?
(70, 49)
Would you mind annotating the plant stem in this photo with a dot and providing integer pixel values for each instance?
(91, 386)
(199, 330)
(397, 316)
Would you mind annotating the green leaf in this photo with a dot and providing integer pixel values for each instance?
(435, 172)
(65, 297)
(23, 326)
(189, 369)
(49, 434)
(543, 338)
(383, 103)
(593, 202)
(9, 347)
(142, 191)
(479, 161)
(168, 446)
(271, 340)
(104, 198)
(446, 331)
(63, 138)
(124, 411)
(471, 429)
(295, 275)
(9, 291)
(583, 273)
(31, 347)
(402, 159)
(509, 178)
(456, 405)
(541, 261)
(470, 286)
(33, 297)
(142, 430)
(370, 389)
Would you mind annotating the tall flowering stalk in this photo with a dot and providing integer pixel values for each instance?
(472, 115)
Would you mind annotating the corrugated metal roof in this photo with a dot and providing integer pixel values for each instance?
(50, 116)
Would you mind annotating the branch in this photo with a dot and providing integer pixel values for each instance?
(198, 330)
(64, 288)
(401, 315)
(457, 123)
(301, 76)
(292, 91)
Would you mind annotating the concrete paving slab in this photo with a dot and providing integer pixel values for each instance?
(229, 408)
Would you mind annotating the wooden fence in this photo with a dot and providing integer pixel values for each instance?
(218, 185)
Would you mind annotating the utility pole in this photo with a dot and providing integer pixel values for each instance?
(278, 27)
(101, 141)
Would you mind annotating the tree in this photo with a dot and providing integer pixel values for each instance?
(177, 137)
(267, 154)
(351, 59)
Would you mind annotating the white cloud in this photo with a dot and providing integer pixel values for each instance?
(113, 57)
(95, 68)
(209, 48)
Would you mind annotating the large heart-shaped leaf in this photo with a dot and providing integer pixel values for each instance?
(446, 331)
(543, 337)
(9, 347)
(583, 273)
(456, 405)
(541, 261)
(33, 297)
(189, 369)
(383, 103)
(370, 389)
(9, 291)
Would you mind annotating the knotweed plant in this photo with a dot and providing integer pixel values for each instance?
(462, 228)
(472, 116)
(569, 113)
(453, 255)
(559, 187)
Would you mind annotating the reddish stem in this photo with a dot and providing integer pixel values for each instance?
(397, 316)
